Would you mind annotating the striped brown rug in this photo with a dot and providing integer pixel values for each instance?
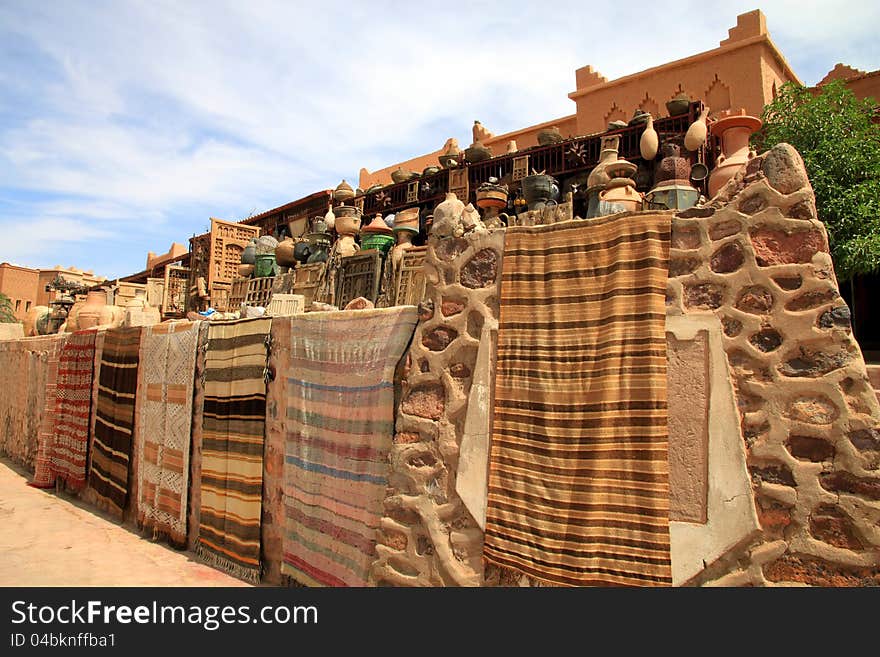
(234, 417)
(114, 417)
(578, 482)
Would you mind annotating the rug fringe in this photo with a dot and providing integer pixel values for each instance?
(251, 575)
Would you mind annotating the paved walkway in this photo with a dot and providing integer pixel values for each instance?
(48, 540)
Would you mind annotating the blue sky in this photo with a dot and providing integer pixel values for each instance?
(124, 125)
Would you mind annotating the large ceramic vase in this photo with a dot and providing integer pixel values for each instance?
(249, 252)
(734, 132)
(90, 313)
(696, 132)
(284, 253)
(620, 194)
(491, 199)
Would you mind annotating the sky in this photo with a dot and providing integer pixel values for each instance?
(126, 125)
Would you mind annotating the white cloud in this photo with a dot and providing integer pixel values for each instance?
(143, 114)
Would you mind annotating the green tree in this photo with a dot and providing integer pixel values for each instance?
(7, 314)
(835, 134)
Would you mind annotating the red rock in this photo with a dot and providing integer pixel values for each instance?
(727, 259)
(426, 401)
(481, 270)
(437, 339)
(778, 247)
(450, 307)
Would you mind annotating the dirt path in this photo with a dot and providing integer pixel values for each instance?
(50, 540)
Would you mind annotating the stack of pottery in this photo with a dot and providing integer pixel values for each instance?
(639, 117)
(348, 224)
(265, 265)
(94, 311)
(672, 189)
(249, 252)
(492, 198)
(598, 178)
(138, 313)
(446, 220)
(343, 192)
(620, 193)
(734, 131)
(539, 189)
(430, 170)
(549, 136)
(377, 235)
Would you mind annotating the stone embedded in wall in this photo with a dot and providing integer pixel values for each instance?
(439, 338)
(424, 401)
(679, 266)
(755, 299)
(816, 571)
(452, 306)
(807, 448)
(724, 228)
(727, 258)
(846, 482)
(688, 386)
(766, 340)
(481, 270)
(792, 282)
(813, 409)
(774, 246)
(811, 300)
(707, 296)
(685, 237)
(838, 317)
(830, 524)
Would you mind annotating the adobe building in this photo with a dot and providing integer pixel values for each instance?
(20, 285)
(744, 71)
(862, 84)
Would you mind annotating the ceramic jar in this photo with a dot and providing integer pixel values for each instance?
(343, 192)
(476, 152)
(672, 166)
(734, 132)
(649, 141)
(348, 223)
(265, 265)
(377, 235)
(399, 175)
(539, 189)
(90, 313)
(284, 253)
(696, 132)
(449, 209)
(245, 271)
(549, 136)
(404, 236)
(620, 193)
(407, 219)
(317, 248)
(451, 152)
(247, 255)
(678, 104)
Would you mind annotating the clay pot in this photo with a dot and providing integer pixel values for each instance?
(284, 253)
(345, 246)
(399, 175)
(430, 171)
(539, 189)
(673, 166)
(245, 271)
(301, 252)
(250, 251)
(377, 225)
(266, 244)
(343, 192)
(407, 220)
(345, 211)
(404, 242)
(617, 125)
(476, 152)
(649, 141)
(597, 179)
(678, 104)
(490, 195)
(621, 192)
(348, 225)
(734, 132)
(379, 241)
(450, 153)
(549, 136)
(511, 146)
(639, 117)
(90, 313)
(696, 133)
(265, 265)
(317, 248)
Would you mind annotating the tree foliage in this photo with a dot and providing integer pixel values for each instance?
(834, 133)
(7, 314)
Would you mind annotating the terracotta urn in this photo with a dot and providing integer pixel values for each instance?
(448, 210)
(400, 175)
(649, 141)
(734, 132)
(451, 153)
(345, 246)
(672, 166)
(90, 313)
(639, 117)
(620, 192)
(343, 192)
(245, 271)
(345, 211)
(696, 133)
(284, 253)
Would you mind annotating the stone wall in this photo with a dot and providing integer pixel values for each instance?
(753, 268)
(757, 259)
(428, 536)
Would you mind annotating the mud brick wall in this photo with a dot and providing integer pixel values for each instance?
(757, 258)
(427, 537)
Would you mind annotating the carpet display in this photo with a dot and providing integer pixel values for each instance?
(43, 477)
(165, 381)
(115, 417)
(340, 426)
(69, 447)
(232, 446)
(578, 482)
